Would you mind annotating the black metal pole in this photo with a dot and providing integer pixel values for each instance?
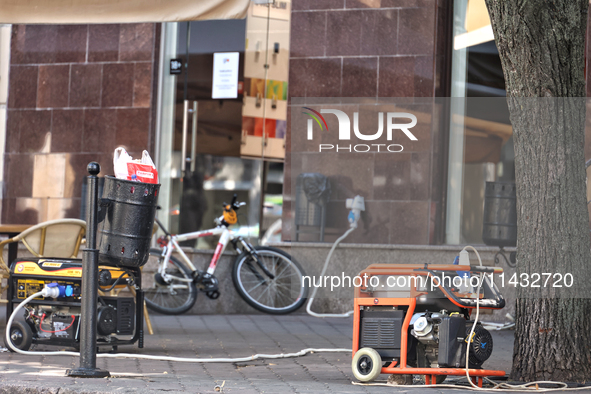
(140, 315)
(90, 256)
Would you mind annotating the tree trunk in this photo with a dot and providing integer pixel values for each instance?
(542, 47)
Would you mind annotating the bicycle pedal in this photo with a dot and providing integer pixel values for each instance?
(207, 283)
(214, 295)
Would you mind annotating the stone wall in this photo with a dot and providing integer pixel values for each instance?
(76, 92)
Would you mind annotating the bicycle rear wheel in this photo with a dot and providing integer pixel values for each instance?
(173, 298)
(283, 294)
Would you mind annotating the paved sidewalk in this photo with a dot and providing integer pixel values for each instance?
(219, 336)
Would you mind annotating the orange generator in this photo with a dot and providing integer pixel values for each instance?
(415, 319)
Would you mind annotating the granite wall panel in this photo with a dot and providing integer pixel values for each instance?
(22, 91)
(85, 85)
(103, 43)
(53, 86)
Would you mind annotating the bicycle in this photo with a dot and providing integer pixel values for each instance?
(267, 278)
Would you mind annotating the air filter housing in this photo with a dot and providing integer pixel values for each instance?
(480, 347)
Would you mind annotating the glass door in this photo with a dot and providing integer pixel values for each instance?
(222, 112)
(206, 167)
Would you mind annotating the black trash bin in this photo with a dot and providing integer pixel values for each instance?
(127, 215)
(500, 214)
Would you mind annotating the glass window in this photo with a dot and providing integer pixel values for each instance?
(481, 136)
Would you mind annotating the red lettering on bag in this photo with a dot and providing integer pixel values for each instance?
(144, 172)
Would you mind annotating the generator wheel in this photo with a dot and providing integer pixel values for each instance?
(367, 364)
(21, 336)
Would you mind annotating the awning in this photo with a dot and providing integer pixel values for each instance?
(118, 11)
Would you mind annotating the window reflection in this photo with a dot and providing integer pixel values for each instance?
(481, 136)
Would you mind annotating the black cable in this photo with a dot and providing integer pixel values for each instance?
(117, 281)
(102, 301)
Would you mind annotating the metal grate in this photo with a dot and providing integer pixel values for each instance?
(380, 333)
(126, 316)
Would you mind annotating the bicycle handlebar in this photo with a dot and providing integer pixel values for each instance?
(235, 205)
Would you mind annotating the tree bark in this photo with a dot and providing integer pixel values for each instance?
(542, 47)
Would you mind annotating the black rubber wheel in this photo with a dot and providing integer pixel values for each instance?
(279, 296)
(21, 336)
(173, 298)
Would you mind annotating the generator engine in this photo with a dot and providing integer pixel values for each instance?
(443, 340)
(57, 321)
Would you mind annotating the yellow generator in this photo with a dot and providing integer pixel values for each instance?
(56, 322)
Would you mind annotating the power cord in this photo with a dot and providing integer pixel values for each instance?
(481, 278)
(54, 293)
(311, 298)
(356, 205)
(519, 388)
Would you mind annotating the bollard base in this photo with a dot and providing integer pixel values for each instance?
(87, 373)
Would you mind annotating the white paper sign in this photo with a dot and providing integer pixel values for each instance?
(225, 75)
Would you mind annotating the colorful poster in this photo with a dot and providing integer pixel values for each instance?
(275, 90)
(273, 128)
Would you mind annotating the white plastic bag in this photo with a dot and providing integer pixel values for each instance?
(120, 160)
(141, 170)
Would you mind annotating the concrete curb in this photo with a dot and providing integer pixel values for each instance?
(26, 389)
(17, 389)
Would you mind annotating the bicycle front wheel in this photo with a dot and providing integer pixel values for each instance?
(172, 297)
(282, 294)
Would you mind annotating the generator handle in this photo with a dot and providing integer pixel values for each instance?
(486, 270)
(496, 302)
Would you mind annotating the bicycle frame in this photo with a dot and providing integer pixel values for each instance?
(226, 236)
(262, 275)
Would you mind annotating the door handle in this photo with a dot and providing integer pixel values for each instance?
(184, 138)
(194, 136)
(186, 112)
